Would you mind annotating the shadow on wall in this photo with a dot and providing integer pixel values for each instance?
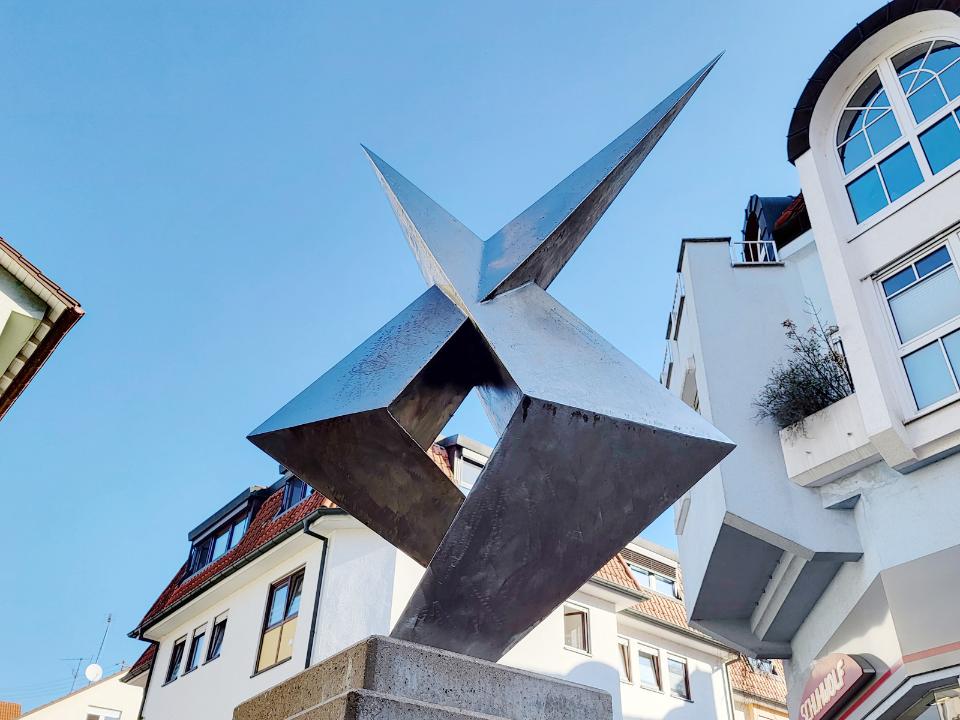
(704, 705)
(597, 675)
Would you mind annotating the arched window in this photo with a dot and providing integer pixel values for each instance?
(900, 127)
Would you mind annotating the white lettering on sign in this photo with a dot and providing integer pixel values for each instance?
(823, 693)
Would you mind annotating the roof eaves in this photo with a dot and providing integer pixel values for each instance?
(147, 623)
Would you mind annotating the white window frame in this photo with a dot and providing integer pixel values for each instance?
(624, 642)
(935, 334)
(686, 670)
(910, 131)
(652, 584)
(201, 651)
(587, 639)
(657, 655)
(102, 713)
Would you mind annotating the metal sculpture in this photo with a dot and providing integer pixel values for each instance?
(591, 449)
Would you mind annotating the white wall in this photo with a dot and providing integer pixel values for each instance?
(108, 694)
(212, 690)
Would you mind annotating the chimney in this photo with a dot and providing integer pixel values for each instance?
(9, 710)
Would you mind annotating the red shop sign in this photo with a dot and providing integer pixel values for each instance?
(834, 680)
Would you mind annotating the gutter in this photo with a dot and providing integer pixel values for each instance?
(316, 599)
(619, 589)
(676, 628)
(137, 633)
(728, 687)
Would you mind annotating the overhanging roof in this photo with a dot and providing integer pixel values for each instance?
(35, 314)
(798, 136)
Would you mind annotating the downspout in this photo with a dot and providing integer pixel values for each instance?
(146, 687)
(728, 687)
(316, 600)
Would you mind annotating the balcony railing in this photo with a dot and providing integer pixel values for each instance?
(754, 252)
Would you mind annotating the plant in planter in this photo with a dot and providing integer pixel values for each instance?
(814, 376)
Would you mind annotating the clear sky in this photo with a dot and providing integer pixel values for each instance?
(192, 173)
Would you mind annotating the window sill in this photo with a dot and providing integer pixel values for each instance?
(187, 672)
(656, 690)
(930, 409)
(680, 697)
(210, 660)
(169, 682)
(578, 651)
(268, 669)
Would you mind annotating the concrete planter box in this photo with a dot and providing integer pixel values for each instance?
(833, 444)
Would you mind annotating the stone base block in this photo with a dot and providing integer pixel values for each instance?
(385, 679)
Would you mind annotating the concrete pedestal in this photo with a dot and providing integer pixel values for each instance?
(385, 679)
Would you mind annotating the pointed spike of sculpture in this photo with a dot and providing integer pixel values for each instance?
(536, 244)
(447, 252)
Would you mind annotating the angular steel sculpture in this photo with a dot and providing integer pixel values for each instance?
(591, 448)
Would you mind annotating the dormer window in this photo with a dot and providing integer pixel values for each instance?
(655, 581)
(295, 491)
(216, 544)
(900, 127)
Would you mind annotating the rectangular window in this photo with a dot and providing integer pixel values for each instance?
(294, 492)
(217, 543)
(626, 667)
(176, 658)
(98, 713)
(576, 628)
(196, 648)
(280, 621)
(678, 677)
(924, 302)
(648, 668)
(655, 581)
(216, 637)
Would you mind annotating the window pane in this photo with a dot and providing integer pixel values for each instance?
(943, 54)
(287, 633)
(929, 303)
(575, 628)
(296, 589)
(951, 81)
(911, 58)
(220, 543)
(935, 260)
(648, 670)
(883, 132)
(665, 586)
(193, 660)
(641, 576)
(941, 143)
(927, 100)
(929, 377)
(866, 195)
(951, 344)
(677, 670)
(176, 657)
(268, 648)
(899, 281)
(216, 640)
(854, 153)
(626, 671)
(901, 172)
(278, 604)
(239, 528)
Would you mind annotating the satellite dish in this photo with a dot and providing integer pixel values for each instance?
(93, 672)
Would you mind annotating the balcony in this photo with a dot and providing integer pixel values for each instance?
(833, 443)
(754, 252)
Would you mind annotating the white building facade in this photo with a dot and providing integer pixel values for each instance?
(280, 579)
(837, 538)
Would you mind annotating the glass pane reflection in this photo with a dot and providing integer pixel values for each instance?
(929, 376)
(941, 143)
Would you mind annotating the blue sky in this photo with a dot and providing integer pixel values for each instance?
(192, 173)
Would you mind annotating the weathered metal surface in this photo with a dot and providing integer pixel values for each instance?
(591, 448)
